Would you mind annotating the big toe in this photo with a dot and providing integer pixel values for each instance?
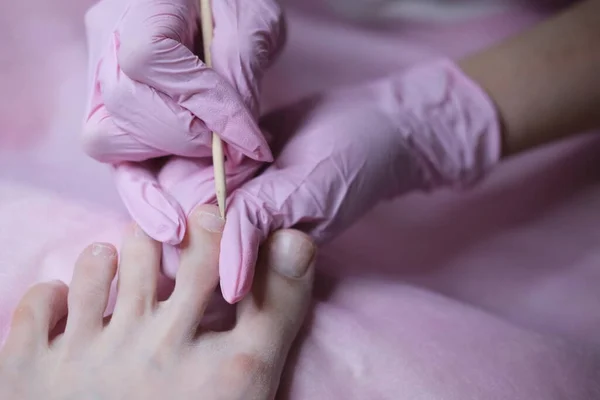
(271, 316)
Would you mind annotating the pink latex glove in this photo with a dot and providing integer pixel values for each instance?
(151, 96)
(340, 153)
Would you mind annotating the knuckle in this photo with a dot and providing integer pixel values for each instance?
(145, 37)
(135, 52)
(94, 141)
(269, 16)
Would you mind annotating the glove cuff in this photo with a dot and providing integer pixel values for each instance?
(448, 123)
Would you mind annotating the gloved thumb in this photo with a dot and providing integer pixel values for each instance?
(247, 225)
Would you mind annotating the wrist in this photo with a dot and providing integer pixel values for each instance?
(544, 82)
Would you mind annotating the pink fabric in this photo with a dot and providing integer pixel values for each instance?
(490, 295)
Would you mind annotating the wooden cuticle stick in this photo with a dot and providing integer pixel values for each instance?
(206, 21)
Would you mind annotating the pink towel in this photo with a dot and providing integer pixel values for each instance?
(490, 295)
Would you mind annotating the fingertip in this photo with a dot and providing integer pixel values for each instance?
(94, 139)
(229, 293)
(239, 253)
(244, 135)
(262, 151)
(155, 211)
(136, 43)
(266, 156)
(232, 272)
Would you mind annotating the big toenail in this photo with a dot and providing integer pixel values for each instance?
(102, 250)
(211, 222)
(291, 255)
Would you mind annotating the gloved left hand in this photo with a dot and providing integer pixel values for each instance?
(151, 96)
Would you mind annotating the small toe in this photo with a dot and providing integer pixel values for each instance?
(270, 317)
(139, 268)
(94, 272)
(198, 275)
(35, 317)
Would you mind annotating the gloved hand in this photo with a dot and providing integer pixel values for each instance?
(340, 153)
(151, 96)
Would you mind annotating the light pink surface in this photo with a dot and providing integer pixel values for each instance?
(491, 295)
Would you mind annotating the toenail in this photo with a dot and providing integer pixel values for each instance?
(291, 255)
(211, 222)
(102, 250)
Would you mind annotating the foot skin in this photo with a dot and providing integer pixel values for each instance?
(155, 350)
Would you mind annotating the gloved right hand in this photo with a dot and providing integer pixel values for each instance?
(151, 96)
(339, 153)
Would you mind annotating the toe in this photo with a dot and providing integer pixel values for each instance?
(139, 268)
(270, 317)
(35, 317)
(89, 290)
(197, 276)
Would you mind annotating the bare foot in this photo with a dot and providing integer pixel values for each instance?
(150, 349)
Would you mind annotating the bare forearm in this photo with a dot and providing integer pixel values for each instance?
(546, 81)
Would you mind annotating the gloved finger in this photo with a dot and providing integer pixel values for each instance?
(153, 209)
(154, 49)
(99, 23)
(247, 37)
(106, 142)
(247, 225)
(191, 183)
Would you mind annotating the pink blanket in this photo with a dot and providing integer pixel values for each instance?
(490, 295)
